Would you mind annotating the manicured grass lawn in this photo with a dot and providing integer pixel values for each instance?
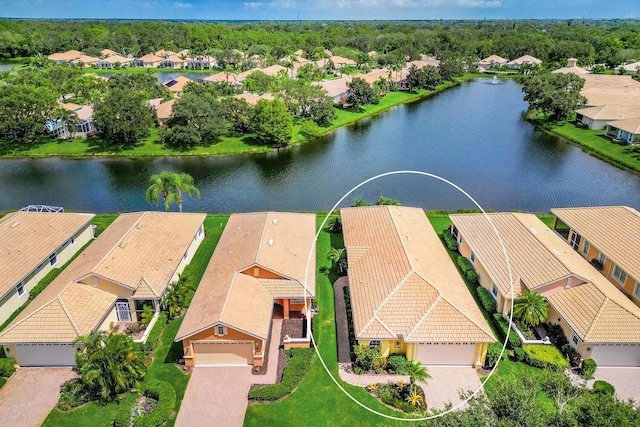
(318, 401)
(163, 366)
(102, 221)
(598, 144)
(3, 381)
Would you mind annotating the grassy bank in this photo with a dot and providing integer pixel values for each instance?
(595, 143)
(227, 145)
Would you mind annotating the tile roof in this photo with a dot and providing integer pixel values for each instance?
(402, 280)
(176, 84)
(614, 230)
(252, 99)
(222, 76)
(76, 311)
(629, 125)
(150, 57)
(594, 308)
(494, 59)
(611, 112)
(112, 59)
(108, 52)
(65, 56)
(525, 59)
(273, 70)
(276, 241)
(28, 238)
(165, 109)
(86, 59)
(334, 87)
(571, 70)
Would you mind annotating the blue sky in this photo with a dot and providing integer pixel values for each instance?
(320, 9)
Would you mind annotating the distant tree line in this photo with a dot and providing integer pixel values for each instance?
(591, 41)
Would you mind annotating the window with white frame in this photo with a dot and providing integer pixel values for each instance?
(472, 257)
(20, 289)
(53, 259)
(585, 248)
(574, 242)
(494, 290)
(636, 290)
(73, 240)
(602, 258)
(375, 344)
(575, 340)
(620, 275)
(220, 330)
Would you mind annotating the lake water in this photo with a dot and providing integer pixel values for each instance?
(169, 75)
(7, 65)
(473, 135)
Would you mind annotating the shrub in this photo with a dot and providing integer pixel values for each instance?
(545, 357)
(335, 225)
(503, 327)
(164, 393)
(571, 354)
(311, 129)
(154, 335)
(519, 354)
(134, 328)
(147, 315)
(44, 282)
(74, 394)
(7, 367)
(467, 268)
(603, 387)
(588, 368)
(397, 364)
(487, 300)
(449, 240)
(367, 358)
(556, 335)
(493, 353)
(297, 367)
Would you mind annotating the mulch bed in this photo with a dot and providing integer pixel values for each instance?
(292, 327)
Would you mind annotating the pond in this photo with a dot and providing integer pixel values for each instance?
(473, 135)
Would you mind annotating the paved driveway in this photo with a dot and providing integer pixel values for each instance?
(30, 394)
(216, 395)
(446, 384)
(625, 380)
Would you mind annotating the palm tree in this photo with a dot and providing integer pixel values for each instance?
(109, 365)
(416, 372)
(171, 186)
(339, 259)
(532, 308)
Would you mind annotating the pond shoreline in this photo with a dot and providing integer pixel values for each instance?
(297, 139)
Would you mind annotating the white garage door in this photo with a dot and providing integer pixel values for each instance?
(46, 355)
(616, 354)
(446, 354)
(223, 353)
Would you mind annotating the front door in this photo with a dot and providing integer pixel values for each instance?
(123, 311)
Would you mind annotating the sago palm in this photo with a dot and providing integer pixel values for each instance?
(532, 308)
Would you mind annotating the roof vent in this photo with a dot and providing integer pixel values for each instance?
(14, 225)
(555, 251)
(123, 244)
(534, 231)
(408, 238)
(270, 242)
(275, 221)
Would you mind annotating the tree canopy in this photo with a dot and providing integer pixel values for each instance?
(272, 123)
(122, 117)
(555, 95)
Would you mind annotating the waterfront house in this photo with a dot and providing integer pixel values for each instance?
(607, 236)
(32, 244)
(260, 267)
(86, 60)
(174, 61)
(104, 53)
(572, 68)
(491, 61)
(598, 117)
(598, 321)
(112, 61)
(148, 61)
(407, 296)
(625, 130)
(164, 54)
(525, 59)
(164, 111)
(176, 85)
(128, 267)
(336, 89)
(222, 76)
(65, 57)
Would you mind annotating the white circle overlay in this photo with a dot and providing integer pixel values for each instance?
(306, 278)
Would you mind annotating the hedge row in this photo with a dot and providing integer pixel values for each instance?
(468, 270)
(297, 367)
(152, 340)
(545, 357)
(504, 330)
(449, 240)
(487, 300)
(165, 395)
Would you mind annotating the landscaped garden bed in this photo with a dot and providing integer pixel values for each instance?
(406, 397)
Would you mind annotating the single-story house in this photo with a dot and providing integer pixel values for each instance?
(260, 263)
(572, 68)
(174, 61)
(86, 60)
(491, 61)
(63, 57)
(634, 67)
(104, 53)
(222, 76)
(112, 60)
(176, 85)
(598, 117)
(599, 321)
(83, 125)
(164, 54)
(336, 88)
(274, 70)
(407, 296)
(430, 60)
(604, 234)
(625, 130)
(525, 59)
(252, 98)
(164, 110)
(130, 265)
(32, 243)
(148, 61)
(201, 62)
(373, 76)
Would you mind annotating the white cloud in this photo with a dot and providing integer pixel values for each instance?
(182, 5)
(409, 4)
(281, 4)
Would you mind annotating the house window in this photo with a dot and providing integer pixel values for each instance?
(375, 344)
(220, 330)
(636, 290)
(20, 289)
(575, 340)
(494, 290)
(575, 241)
(620, 275)
(186, 256)
(602, 258)
(53, 259)
(472, 257)
(201, 231)
(460, 240)
(454, 232)
(585, 248)
(73, 240)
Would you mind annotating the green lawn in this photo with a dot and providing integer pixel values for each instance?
(318, 401)
(596, 143)
(163, 366)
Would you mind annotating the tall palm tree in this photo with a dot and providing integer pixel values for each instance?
(532, 308)
(171, 186)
